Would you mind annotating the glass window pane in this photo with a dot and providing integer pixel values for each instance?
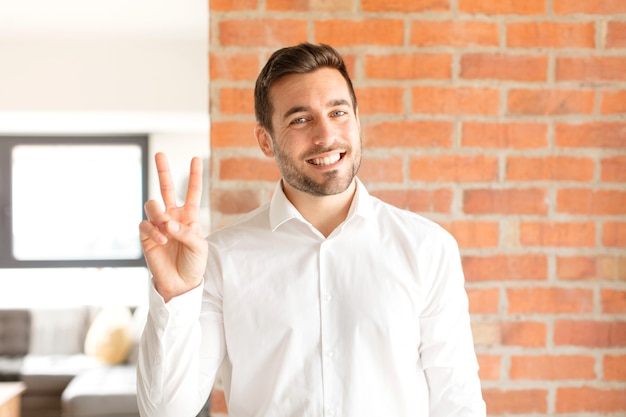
(76, 202)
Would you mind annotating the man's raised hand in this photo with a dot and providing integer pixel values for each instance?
(171, 239)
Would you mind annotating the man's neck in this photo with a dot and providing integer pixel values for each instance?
(325, 213)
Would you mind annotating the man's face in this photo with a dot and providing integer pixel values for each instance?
(316, 140)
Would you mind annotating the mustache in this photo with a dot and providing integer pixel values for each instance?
(317, 150)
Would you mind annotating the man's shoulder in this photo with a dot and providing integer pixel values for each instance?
(255, 221)
(408, 222)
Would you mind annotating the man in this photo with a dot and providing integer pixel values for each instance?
(324, 302)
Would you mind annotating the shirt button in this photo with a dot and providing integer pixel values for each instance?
(328, 298)
(330, 353)
(331, 412)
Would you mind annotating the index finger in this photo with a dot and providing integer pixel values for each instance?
(166, 183)
(194, 186)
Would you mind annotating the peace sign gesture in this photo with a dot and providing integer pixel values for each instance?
(171, 239)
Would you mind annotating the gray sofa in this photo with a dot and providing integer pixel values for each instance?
(44, 348)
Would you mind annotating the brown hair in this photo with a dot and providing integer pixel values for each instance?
(299, 59)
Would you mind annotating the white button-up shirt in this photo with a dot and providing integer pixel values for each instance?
(371, 321)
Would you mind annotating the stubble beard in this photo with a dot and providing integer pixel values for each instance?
(335, 181)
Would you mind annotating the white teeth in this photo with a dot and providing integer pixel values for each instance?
(329, 160)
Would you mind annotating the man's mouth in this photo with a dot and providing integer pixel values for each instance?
(327, 160)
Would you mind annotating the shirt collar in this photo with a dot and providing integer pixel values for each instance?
(281, 209)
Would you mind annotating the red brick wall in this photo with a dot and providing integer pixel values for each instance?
(505, 121)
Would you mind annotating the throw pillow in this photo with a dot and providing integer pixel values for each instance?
(109, 337)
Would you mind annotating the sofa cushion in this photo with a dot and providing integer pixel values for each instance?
(10, 367)
(15, 328)
(52, 373)
(109, 391)
(58, 331)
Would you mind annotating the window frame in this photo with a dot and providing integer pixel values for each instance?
(7, 143)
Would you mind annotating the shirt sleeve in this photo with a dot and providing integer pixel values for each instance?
(180, 353)
(447, 348)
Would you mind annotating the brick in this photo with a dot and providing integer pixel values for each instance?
(310, 6)
(558, 234)
(550, 168)
(232, 134)
(590, 399)
(576, 268)
(486, 333)
(550, 102)
(611, 267)
(419, 201)
(589, 7)
(218, 402)
(408, 66)
(591, 334)
(248, 169)
(457, 168)
(552, 300)
(487, 66)
(369, 32)
(378, 6)
(408, 134)
(613, 301)
(614, 367)
(591, 68)
(234, 100)
(591, 135)
(528, 334)
(457, 33)
(518, 401)
(232, 5)
(474, 234)
(490, 366)
(552, 367)
(234, 201)
(455, 100)
(591, 202)
(613, 169)
(505, 201)
(616, 35)
(380, 100)
(501, 268)
(236, 67)
(613, 102)
(491, 7)
(510, 135)
(614, 234)
(484, 300)
(550, 34)
(382, 169)
(262, 32)
(599, 268)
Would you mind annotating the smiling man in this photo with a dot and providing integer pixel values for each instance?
(324, 302)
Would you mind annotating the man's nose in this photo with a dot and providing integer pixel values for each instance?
(324, 132)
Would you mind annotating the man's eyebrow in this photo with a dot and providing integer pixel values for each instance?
(295, 109)
(332, 103)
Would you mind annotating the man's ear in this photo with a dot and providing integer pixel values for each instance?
(264, 140)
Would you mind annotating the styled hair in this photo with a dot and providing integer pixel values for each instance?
(299, 59)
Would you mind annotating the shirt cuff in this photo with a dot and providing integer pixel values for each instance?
(182, 309)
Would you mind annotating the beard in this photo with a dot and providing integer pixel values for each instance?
(334, 181)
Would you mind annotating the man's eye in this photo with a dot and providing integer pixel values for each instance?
(298, 120)
(338, 113)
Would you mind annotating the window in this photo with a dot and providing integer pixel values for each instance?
(72, 201)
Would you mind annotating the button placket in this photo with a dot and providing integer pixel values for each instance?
(330, 333)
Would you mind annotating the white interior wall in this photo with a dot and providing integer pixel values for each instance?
(91, 73)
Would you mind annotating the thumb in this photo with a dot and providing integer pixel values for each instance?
(186, 235)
